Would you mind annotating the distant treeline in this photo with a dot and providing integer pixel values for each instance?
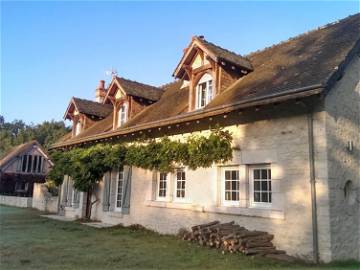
(18, 132)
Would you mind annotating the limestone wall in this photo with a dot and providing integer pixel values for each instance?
(43, 200)
(342, 127)
(283, 144)
(16, 201)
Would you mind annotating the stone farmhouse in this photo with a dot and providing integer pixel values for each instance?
(293, 110)
(21, 167)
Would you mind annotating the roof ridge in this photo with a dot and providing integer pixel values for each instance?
(247, 56)
(168, 84)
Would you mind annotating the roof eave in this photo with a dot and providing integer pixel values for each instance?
(291, 94)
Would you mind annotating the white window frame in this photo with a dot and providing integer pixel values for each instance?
(119, 172)
(223, 186)
(251, 187)
(175, 198)
(167, 185)
(122, 115)
(209, 90)
(78, 128)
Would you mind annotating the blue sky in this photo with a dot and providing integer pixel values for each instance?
(51, 51)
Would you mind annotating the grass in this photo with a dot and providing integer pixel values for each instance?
(29, 241)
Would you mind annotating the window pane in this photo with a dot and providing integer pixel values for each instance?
(263, 174)
(227, 195)
(183, 193)
(29, 163)
(227, 185)
(235, 175)
(235, 185)
(227, 175)
(178, 175)
(269, 174)
(39, 164)
(178, 193)
(183, 175)
(269, 197)
(183, 184)
(269, 185)
(256, 196)
(35, 163)
(256, 185)
(264, 185)
(256, 174)
(264, 197)
(23, 169)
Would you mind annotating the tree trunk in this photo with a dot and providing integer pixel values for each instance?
(88, 204)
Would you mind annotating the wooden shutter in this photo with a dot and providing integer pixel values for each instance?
(19, 161)
(106, 193)
(127, 190)
(112, 197)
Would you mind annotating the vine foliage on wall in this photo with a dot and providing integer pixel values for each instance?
(86, 166)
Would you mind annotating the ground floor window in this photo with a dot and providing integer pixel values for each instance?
(162, 185)
(180, 184)
(260, 184)
(119, 189)
(231, 186)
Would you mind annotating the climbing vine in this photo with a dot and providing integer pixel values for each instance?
(87, 165)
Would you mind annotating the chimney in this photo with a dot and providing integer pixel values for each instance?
(100, 92)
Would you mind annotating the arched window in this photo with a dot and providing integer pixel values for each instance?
(204, 91)
(122, 115)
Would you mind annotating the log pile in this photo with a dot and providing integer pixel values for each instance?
(230, 237)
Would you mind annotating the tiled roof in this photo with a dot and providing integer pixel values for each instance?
(229, 56)
(304, 62)
(92, 108)
(173, 102)
(137, 89)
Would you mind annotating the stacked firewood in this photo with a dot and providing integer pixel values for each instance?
(232, 238)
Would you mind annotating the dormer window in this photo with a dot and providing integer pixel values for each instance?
(122, 115)
(204, 91)
(78, 128)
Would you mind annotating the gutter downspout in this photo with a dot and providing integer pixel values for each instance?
(313, 187)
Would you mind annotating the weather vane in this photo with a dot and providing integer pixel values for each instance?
(113, 72)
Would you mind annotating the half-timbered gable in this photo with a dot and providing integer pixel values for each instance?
(208, 70)
(21, 167)
(84, 113)
(128, 98)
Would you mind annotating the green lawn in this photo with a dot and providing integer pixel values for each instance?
(29, 241)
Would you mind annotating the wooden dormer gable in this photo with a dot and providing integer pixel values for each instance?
(84, 113)
(128, 98)
(207, 64)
